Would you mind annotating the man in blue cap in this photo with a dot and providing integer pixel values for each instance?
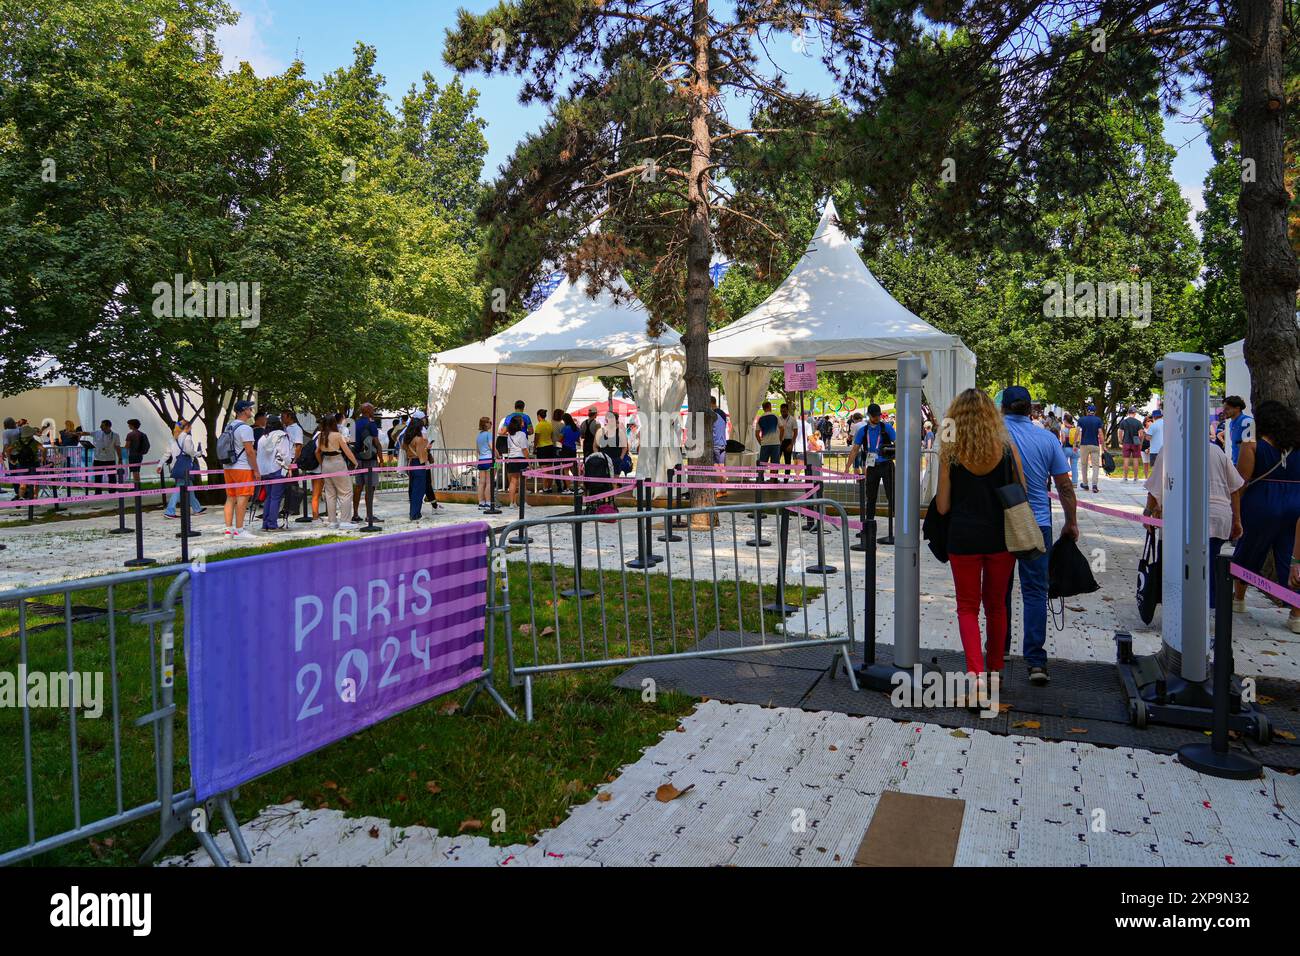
(1043, 461)
(873, 445)
(1090, 428)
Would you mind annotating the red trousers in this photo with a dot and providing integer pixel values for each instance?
(982, 577)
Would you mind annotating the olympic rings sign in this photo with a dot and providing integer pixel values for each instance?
(839, 408)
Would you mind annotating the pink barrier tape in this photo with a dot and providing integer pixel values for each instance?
(613, 492)
(1116, 513)
(255, 482)
(734, 486)
(1264, 584)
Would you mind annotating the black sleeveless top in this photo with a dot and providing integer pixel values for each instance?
(976, 524)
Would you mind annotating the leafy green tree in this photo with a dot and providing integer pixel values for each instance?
(953, 98)
(640, 143)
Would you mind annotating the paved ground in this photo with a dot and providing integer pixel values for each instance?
(1027, 801)
(782, 787)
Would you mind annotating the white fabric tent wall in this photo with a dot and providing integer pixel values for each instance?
(1236, 375)
(539, 359)
(833, 310)
(659, 384)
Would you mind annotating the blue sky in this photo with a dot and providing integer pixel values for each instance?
(408, 35)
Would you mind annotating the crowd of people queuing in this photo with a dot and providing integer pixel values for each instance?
(1254, 476)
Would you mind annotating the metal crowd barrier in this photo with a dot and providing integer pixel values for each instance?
(96, 621)
(782, 599)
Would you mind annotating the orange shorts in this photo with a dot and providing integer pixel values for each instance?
(238, 477)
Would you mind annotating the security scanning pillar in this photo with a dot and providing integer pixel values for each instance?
(907, 543)
(1174, 685)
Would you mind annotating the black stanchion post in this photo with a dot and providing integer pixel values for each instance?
(861, 544)
(1215, 758)
(758, 541)
(139, 561)
(778, 605)
(305, 518)
(521, 536)
(821, 567)
(121, 517)
(370, 525)
(668, 534)
(492, 508)
(869, 587)
(888, 538)
(577, 591)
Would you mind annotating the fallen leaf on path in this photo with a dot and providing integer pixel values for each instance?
(959, 733)
(374, 832)
(1027, 724)
(668, 793)
(1078, 730)
(1285, 734)
(604, 797)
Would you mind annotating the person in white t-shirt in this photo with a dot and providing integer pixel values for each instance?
(1225, 503)
(274, 455)
(1156, 437)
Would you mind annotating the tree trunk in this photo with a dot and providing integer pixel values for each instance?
(1269, 272)
(699, 248)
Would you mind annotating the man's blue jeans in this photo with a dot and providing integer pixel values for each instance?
(1033, 592)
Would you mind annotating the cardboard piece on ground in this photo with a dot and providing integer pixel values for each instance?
(909, 829)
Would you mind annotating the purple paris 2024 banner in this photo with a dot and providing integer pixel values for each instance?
(290, 651)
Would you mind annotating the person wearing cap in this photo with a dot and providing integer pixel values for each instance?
(1240, 427)
(1130, 431)
(1043, 461)
(240, 473)
(1156, 436)
(1090, 427)
(873, 446)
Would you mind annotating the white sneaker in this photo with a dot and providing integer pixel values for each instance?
(244, 533)
(228, 533)
(346, 526)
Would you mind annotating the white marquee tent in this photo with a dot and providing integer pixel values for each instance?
(540, 359)
(832, 309)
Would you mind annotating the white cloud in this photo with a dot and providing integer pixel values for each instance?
(1196, 200)
(244, 41)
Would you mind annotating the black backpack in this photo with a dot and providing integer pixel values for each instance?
(307, 458)
(144, 444)
(825, 429)
(27, 453)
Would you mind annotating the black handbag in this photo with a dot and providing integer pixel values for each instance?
(1149, 582)
(935, 530)
(1107, 462)
(1068, 571)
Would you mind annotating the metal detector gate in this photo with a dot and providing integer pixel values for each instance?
(1174, 685)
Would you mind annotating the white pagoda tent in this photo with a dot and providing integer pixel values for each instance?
(833, 310)
(540, 359)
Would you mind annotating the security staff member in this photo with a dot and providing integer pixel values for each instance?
(874, 445)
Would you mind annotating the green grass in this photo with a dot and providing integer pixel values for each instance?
(433, 765)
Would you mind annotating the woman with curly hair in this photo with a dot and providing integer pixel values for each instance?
(976, 457)
(1270, 502)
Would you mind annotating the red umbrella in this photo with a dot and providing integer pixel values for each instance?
(622, 408)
